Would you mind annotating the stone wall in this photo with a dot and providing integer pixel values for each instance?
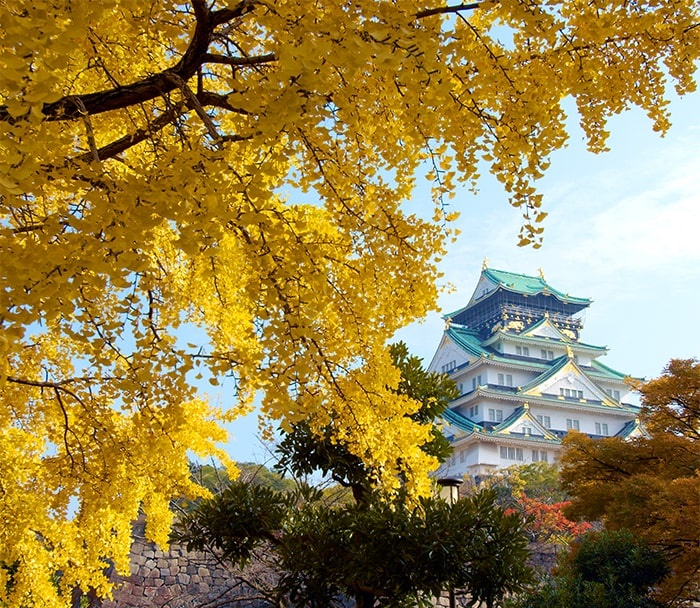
(177, 578)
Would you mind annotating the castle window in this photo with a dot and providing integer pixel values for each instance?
(571, 393)
(546, 354)
(500, 379)
(474, 411)
(545, 421)
(539, 456)
(509, 380)
(572, 424)
(495, 415)
(476, 382)
(462, 455)
(601, 429)
(511, 453)
(448, 367)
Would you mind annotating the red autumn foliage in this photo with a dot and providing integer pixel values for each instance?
(548, 523)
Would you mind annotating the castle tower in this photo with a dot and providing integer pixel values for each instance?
(525, 376)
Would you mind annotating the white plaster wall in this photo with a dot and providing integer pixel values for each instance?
(447, 353)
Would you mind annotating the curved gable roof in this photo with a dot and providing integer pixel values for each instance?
(467, 339)
(461, 422)
(528, 285)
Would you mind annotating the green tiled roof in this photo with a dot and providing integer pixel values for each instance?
(468, 339)
(629, 428)
(525, 284)
(517, 412)
(556, 365)
(607, 372)
(461, 422)
(497, 393)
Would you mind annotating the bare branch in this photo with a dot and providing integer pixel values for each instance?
(192, 99)
(444, 10)
(169, 117)
(88, 128)
(239, 61)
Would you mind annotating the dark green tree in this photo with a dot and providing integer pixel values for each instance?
(608, 569)
(386, 553)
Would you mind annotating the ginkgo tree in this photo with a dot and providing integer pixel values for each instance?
(240, 167)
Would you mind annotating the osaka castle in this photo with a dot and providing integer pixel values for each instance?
(525, 376)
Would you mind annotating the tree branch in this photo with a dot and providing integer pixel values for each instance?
(153, 86)
(444, 10)
(205, 99)
(235, 61)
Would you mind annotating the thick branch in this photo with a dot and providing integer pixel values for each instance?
(170, 116)
(235, 61)
(154, 86)
(444, 10)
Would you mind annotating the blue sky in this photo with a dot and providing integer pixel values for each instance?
(623, 229)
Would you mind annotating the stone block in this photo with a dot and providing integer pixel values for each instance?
(138, 559)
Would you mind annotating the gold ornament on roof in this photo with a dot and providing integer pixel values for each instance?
(569, 352)
(485, 264)
(541, 273)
